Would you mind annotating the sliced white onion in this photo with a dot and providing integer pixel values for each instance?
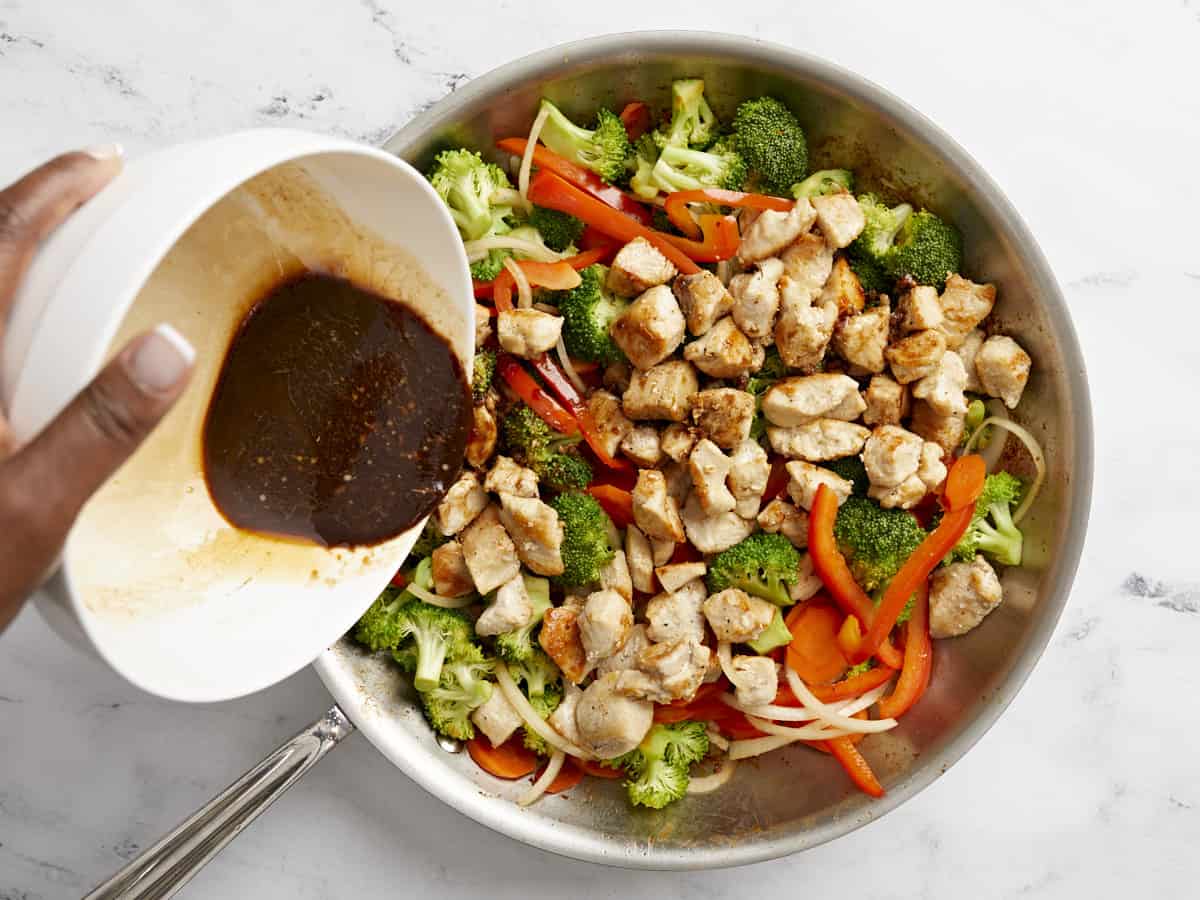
(478, 249)
(717, 779)
(565, 361)
(524, 291)
(520, 703)
(1035, 451)
(866, 701)
(437, 600)
(812, 732)
(716, 739)
(507, 197)
(535, 132)
(829, 715)
(758, 746)
(545, 780)
(725, 658)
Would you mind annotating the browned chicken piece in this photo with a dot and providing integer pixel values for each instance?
(604, 624)
(662, 551)
(615, 575)
(527, 332)
(509, 477)
(674, 576)
(489, 552)
(861, 339)
(945, 431)
(709, 468)
(482, 442)
(755, 680)
(801, 399)
(616, 376)
(677, 441)
(961, 595)
(451, 577)
(839, 217)
(891, 455)
(703, 300)
(968, 353)
(771, 231)
(781, 517)
(497, 719)
(807, 264)
(904, 495)
(611, 723)
(964, 305)
(562, 719)
(464, 501)
(679, 482)
(1003, 369)
(932, 470)
(662, 392)
(819, 440)
(748, 474)
(609, 417)
(640, 560)
(736, 617)
(676, 616)
(943, 388)
(843, 290)
(643, 446)
(509, 609)
(559, 637)
(804, 330)
(483, 325)
(920, 309)
(805, 479)
(724, 352)
(712, 534)
(650, 329)
(756, 298)
(627, 656)
(536, 532)
(887, 401)
(917, 355)
(637, 267)
(654, 510)
(723, 415)
(666, 672)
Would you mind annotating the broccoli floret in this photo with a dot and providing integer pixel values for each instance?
(490, 266)
(517, 646)
(588, 311)
(603, 149)
(544, 705)
(693, 122)
(992, 531)
(483, 372)
(439, 635)
(926, 249)
(772, 143)
(777, 634)
(469, 187)
(641, 167)
(541, 681)
(658, 768)
(869, 251)
(765, 565)
(382, 626)
(976, 413)
(558, 229)
(585, 549)
(826, 181)
(875, 541)
(852, 469)
(685, 169)
(565, 472)
(461, 688)
(865, 666)
(533, 443)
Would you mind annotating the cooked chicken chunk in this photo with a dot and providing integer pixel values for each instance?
(654, 510)
(861, 339)
(610, 723)
(667, 672)
(887, 401)
(662, 392)
(562, 719)
(615, 575)
(804, 479)
(650, 329)
(781, 517)
(920, 309)
(482, 442)
(802, 399)
(709, 468)
(638, 556)
(891, 455)
(662, 551)
(703, 300)
(712, 534)
(808, 582)
(1003, 369)
(803, 331)
(756, 298)
(772, 231)
(676, 616)
(679, 484)
(559, 637)
(737, 617)
(843, 290)
(724, 415)
(904, 495)
(932, 470)
(463, 502)
(637, 267)
(510, 477)
(536, 532)
(674, 576)
(489, 552)
(527, 332)
(964, 305)
(604, 624)
(643, 446)
(748, 476)
(917, 355)
(839, 217)
(509, 610)
(968, 353)
(723, 352)
(627, 656)
(483, 325)
(946, 431)
(496, 719)
(616, 376)
(677, 441)
(451, 577)
(961, 595)
(755, 679)
(611, 424)
(807, 264)
(943, 388)
(819, 440)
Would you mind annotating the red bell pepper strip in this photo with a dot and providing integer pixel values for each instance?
(918, 661)
(548, 190)
(558, 276)
(965, 481)
(591, 239)
(398, 580)
(561, 386)
(777, 481)
(856, 767)
(584, 179)
(854, 686)
(616, 502)
(968, 481)
(636, 119)
(525, 387)
(482, 289)
(721, 239)
(677, 203)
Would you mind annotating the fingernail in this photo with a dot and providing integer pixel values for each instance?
(105, 151)
(162, 358)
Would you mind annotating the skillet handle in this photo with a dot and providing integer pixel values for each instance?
(164, 868)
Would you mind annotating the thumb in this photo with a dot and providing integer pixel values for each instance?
(64, 465)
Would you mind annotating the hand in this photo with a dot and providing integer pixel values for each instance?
(44, 483)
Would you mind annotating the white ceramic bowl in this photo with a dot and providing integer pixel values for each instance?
(153, 579)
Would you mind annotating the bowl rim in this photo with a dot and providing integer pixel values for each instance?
(500, 814)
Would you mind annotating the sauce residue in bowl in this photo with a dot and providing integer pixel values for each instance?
(339, 416)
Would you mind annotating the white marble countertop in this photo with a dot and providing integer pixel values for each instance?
(1086, 787)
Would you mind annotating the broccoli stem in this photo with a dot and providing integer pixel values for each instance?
(431, 656)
